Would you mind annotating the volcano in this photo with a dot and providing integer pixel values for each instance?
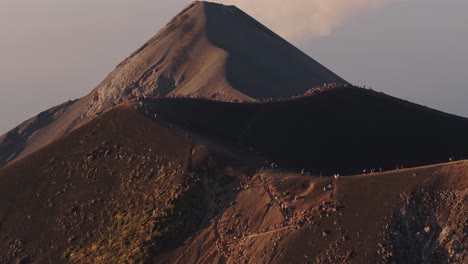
(219, 142)
(208, 50)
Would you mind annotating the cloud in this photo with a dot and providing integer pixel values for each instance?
(304, 19)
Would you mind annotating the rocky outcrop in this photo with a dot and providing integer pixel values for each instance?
(431, 227)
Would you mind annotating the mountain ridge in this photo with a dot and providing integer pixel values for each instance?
(340, 130)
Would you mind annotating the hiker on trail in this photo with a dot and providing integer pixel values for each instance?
(364, 171)
(380, 170)
(241, 184)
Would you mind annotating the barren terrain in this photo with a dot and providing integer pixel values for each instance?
(219, 142)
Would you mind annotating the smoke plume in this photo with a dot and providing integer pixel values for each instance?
(304, 19)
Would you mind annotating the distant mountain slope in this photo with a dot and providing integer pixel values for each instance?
(207, 50)
(342, 130)
(42, 129)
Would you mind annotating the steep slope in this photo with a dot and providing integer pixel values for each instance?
(341, 130)
(207, 50)
(214, 51)
(104, 193)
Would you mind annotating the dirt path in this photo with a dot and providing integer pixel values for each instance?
(258, 234)
(275, 201)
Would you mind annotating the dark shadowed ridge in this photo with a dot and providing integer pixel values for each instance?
(207, 50)
(342, 130)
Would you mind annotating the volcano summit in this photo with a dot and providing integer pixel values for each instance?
(208, 50)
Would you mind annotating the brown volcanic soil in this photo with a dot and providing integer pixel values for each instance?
(97, 193)
(125, 189)
(360, 219)
(208, 50)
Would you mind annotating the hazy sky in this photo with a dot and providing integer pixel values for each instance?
(55, 50)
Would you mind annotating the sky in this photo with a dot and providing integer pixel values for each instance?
(52, 51)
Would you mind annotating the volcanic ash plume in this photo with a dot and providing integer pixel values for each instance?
(303, 19)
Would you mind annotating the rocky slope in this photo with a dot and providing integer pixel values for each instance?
(102, 194)
(357, 219)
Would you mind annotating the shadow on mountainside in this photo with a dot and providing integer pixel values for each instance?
(343, 130)
(260, 63)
